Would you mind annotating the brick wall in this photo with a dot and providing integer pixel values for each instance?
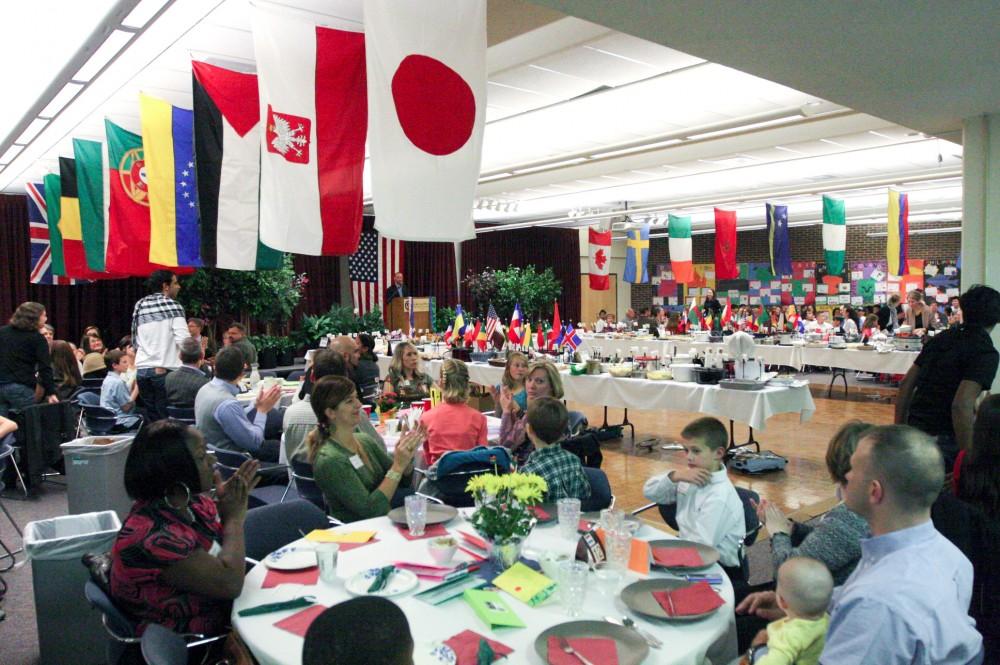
(807, 245)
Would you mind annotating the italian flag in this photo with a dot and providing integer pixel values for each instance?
(834, 234)
(694, 314)
(679, 244)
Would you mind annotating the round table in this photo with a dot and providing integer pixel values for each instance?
(685, 643)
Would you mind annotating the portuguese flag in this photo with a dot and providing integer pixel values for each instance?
(70, 230)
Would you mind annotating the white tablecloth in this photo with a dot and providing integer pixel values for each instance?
(894, 362)
(750, 407)
(685, 643)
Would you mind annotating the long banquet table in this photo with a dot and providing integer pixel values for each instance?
(750, 407)
(685, 642)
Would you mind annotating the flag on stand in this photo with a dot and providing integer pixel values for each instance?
(514, 331)
(492, 321)
(777, 239)
(458, 328)
(90, 174)
(679, 244)
(541, 337)
(470, 333)
(427, 85)
(897, 232)
(38, 230)
(526, 339)
(227, 153)
(695, 315)
(70, 228)
(314, 106)
(637, 255)
(555, 335)
(481, 337)
(727, 312)
(371, 269)
(725, 245)
(413, 326)
(600, 259)
(560, 339)
(572, 340)
(834, 234)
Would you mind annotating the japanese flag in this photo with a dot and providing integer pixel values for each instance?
(427, 92)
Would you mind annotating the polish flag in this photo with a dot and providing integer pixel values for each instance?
(427, 84)
(314, 105)
(600, 259)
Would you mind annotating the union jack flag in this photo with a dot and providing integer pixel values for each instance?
(38, 229)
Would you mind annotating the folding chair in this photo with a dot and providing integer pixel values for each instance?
(181, 413)
(268, 528)
(600, 491)
(305, 484)
(8, 451)
(229, 461)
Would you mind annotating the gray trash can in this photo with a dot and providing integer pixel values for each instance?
(95, 474)
(69, 631)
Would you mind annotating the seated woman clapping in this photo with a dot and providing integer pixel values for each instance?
(543, 381)
(358, 479)
(178, 559)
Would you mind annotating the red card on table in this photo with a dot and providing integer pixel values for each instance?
(347, 547)
(466, 647)
(678, 557)
(299, 623)
(304, 576)
(698, 598)
(432, 531)
(595, 649)
(475, 541)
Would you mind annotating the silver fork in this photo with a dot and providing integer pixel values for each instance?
(565, 646)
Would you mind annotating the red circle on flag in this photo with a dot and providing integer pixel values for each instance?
(435, 106)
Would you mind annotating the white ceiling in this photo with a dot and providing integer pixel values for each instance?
(682, 133)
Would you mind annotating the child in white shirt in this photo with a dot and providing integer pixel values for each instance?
(709, 510)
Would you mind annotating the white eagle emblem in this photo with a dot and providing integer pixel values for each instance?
(286, 138)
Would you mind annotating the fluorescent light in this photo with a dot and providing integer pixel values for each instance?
(551, 165)
(637, 148)
(495, 176)
(32, 130)
(11, 153)
(106, 52)
(144, 11)
(880, 134)
(791, 150)
(618, 55)
(832, 142)
(62, 98)
(743, 128)
(921, 232)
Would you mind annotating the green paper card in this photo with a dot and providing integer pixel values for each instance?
(440, 593)
(492, 609)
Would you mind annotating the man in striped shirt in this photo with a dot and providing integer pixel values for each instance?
(158, 327)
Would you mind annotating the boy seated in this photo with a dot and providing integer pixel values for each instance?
(546, 426)
(709, 510)
(804, 589)
(115, 395)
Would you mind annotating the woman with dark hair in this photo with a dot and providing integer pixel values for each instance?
(976, 478)
(357, 477)
(178, 560)
(65, 369)
(24, 360)
(711, 307)
(367, 373)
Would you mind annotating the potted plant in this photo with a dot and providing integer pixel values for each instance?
(267, 356)
(503, 515)
(284, 348)
(387, 404)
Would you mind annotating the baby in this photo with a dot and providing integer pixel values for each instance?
(804, 589)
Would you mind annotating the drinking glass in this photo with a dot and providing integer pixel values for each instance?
(569, 517)
(618, 546)
(609, 577)
(416, 514)
(326, 557)
(573, 586)
(611, 519)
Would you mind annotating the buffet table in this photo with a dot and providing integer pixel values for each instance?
(685, 642)
(893, 362)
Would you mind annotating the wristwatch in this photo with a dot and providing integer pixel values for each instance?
(393, 475)
(755, 652)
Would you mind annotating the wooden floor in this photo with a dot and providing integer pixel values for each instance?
(802, 484)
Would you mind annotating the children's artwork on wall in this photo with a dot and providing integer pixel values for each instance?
(868, 281)
(913, 279)
(800, 288)
(942, 280)
(668, 292)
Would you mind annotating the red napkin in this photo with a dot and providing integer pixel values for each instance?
(347, 547)
(601, 650)
(299, 623)
(466, 647)
(697, 598)
(432, 531)
(304, 576)
(677, 557)
(475, 541)
(584, 525)
(540, 513)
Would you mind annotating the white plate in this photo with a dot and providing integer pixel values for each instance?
(291, 558)
(434, 653)
(400, 582)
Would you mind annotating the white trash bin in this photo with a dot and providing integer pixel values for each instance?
(95, 474)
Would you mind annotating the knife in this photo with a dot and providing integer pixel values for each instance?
(650, 640)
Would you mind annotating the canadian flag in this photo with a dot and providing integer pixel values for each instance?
(600, 259)
(315, 106)
(427, 85)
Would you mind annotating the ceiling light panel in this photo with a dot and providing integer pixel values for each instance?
(115, 42)
(142, 13)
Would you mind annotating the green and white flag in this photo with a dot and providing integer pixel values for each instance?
(834, 234)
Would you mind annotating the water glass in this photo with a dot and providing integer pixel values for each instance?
(326, 558)
(612, 520)
(416, 514)
(573, 586)
(569, 517)
(618, 546)
(609, 577)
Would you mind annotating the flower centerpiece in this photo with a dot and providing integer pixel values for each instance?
(503, 515)
(387, 403)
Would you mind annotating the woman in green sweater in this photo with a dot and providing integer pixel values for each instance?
(357, 477)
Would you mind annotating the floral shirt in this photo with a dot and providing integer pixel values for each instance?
(153, 537)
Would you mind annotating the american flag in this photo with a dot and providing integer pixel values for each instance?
(371, 269)
(38, 229)
(492, 321)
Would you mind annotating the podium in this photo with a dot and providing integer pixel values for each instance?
(398, 314)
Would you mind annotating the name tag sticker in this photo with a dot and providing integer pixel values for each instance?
(356, 462)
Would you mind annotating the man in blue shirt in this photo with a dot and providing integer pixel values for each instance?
(907, 602)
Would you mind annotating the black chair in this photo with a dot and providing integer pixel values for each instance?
(295, 375)
(162, 646)
(453, 471)
(181, 413)
(93, 384)
(305, 484)
(577, 422)
(600, 491)
(268, 528)
(229, 461)
(8, 451)
(100, 421)
(267, 374)
(587, 447)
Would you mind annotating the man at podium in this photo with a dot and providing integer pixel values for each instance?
(397, 290)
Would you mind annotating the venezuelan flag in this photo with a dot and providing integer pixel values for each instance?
(897, 232)
(168, 144)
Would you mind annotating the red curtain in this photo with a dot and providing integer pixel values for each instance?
(323, 289)
(429, 270)
(541, 247)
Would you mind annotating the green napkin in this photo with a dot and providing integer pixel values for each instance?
(381, 579)
(485, 655)
(267, 608)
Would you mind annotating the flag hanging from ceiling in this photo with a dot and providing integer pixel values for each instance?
(227, 159)
(725, 245)
(314, 106)
(637, 255)
(38, 230)
(897, 232)
(371, 269)
(600, 259)
(834, 234)
(777, 239)
(168, 143)
(427, 85)
(679, 244)
(53, 204)
(90, 177)
(70, 229)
